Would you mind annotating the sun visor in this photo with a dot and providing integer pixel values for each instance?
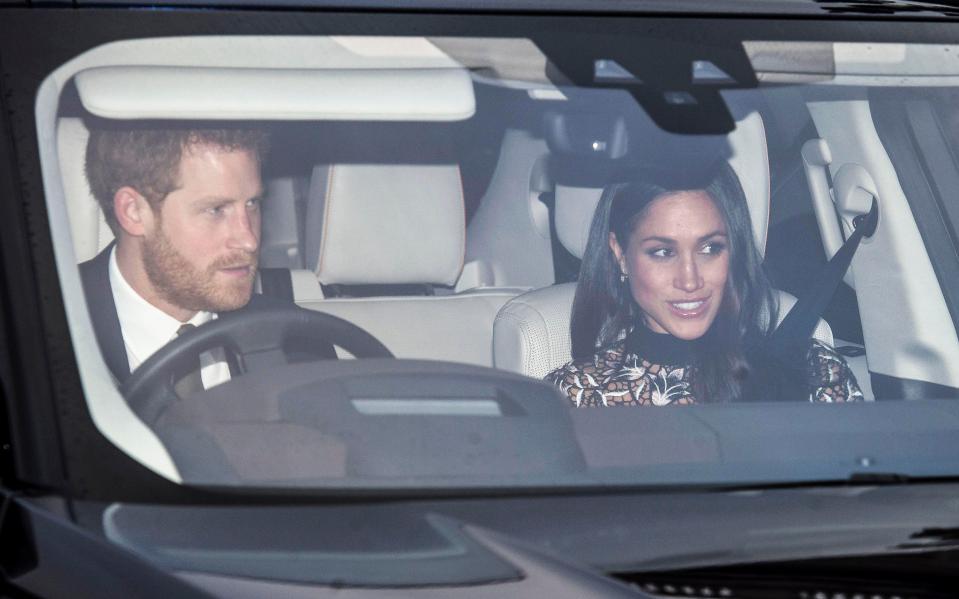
(228, 93)
(854, 63)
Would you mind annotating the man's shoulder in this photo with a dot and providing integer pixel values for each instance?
(95, 272)
(102, 258)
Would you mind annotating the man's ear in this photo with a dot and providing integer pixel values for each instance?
(617, 252)
(133, 211)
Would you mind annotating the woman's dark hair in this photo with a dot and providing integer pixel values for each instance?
(603, 308)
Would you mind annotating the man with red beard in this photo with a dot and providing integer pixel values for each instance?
(184, 206)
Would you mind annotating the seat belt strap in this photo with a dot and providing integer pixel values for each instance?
(277, 282)
(789, 341)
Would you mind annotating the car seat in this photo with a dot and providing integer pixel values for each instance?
(386, 244)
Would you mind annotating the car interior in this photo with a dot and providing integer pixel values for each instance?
(379, 235)
(449, 223)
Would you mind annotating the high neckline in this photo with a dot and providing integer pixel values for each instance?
(659, 348)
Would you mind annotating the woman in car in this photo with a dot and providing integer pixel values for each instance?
(672, 304)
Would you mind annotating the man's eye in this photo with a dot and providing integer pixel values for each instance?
(216, 210)
(254, 203)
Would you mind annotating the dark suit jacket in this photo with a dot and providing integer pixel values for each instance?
(95, 275)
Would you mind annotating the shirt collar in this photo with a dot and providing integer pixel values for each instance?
(145, 327)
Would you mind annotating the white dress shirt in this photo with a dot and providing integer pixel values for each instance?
(146, 328)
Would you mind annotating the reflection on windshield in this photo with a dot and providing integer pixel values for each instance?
(382, 266)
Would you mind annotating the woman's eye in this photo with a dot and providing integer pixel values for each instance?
(660, 252)
(713, 248)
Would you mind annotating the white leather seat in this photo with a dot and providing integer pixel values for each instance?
(87, 224)
(531, 332)
(402, 226)
(280, 229)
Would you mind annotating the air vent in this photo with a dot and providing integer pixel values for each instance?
(930, 574)
(783, 585)
(695, 588)
(687, 589)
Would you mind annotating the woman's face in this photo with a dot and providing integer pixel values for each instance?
(677, 261)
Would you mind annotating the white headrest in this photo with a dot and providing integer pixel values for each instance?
(749, 159)
(386, 224)
(90, 230)
(574, 213)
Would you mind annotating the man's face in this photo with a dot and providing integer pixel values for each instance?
(201, 253)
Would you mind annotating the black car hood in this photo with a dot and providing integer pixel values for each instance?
(451, 542)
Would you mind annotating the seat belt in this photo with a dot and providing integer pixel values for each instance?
(789, 342)
(779, 360)
(277, 282)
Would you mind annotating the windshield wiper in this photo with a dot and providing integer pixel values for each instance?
(879, 478)
(890, 7)
(854, 479)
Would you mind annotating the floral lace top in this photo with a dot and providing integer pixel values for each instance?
(618, 375)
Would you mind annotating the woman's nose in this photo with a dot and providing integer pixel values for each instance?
(688, 278)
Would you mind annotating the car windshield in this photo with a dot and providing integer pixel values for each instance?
(588, 258)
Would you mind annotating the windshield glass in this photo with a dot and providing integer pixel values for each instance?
(389, 262)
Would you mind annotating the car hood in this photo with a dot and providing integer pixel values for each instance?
(376, 543)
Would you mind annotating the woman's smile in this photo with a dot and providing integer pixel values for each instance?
(690, 308)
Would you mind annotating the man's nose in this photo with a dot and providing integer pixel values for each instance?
(688, 278)
(245, 231)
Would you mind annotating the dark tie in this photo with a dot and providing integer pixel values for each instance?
(192, 382)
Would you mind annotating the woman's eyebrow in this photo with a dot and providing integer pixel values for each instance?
(713, 234)
(659, 239)
(716, 233)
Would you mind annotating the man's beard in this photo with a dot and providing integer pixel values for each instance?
(178, 282)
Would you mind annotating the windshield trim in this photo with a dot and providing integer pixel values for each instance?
(741, 8)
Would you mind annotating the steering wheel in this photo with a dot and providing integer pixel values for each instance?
(257, 339)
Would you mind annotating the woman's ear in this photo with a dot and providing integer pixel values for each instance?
(617, 252)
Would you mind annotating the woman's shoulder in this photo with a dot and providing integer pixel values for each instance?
(832, 380)
(820, 351)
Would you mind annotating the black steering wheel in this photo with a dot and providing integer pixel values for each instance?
(255, 339)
